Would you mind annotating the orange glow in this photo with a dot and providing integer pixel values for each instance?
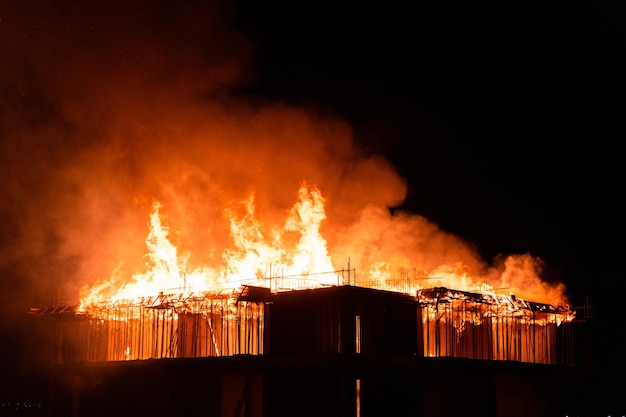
(253, 259)
(296, 256)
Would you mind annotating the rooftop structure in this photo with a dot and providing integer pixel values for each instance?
(434, 322)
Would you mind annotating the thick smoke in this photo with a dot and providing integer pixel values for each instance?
(107, 107)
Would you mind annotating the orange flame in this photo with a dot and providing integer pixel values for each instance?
(297, 256)
(253, 259)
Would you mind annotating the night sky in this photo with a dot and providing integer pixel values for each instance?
(505, 119)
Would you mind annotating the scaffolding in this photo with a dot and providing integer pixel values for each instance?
(435, 322)
(166, 326)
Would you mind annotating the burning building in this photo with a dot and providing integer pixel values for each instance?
(235, 312)
(278, 335)
(265, 352)
(434, 322)
(170, 312)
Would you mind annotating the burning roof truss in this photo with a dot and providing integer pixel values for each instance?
(492, 326)
(181, 325)
(165, 326)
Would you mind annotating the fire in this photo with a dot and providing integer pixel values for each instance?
(297, 256)
(254, 259)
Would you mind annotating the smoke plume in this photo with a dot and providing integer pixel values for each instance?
(107, 107)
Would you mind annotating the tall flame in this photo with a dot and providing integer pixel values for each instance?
(252, 259)
(297, 256)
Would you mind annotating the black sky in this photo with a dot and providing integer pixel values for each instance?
(505, 118)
